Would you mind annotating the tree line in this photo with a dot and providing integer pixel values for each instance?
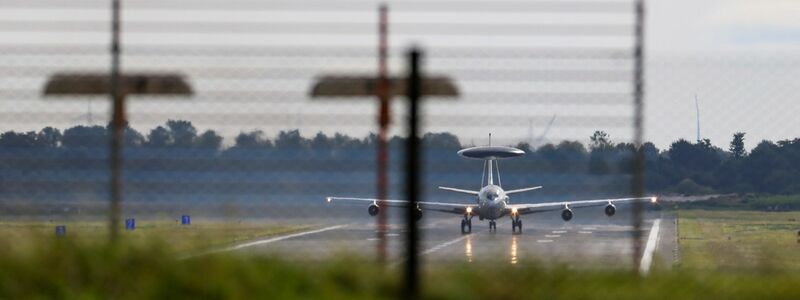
(684, 167)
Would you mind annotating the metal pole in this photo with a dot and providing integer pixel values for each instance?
(412, 174)
(637, 181)
(383, 131)
(117, 124)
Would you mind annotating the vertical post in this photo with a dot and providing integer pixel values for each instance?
(117, 124)
(383, 129)
(412, 174)
(637, 181)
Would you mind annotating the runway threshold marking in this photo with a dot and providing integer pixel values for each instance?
(650, 248)
(266, 241)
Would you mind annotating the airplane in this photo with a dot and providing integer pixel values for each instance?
(492, 202)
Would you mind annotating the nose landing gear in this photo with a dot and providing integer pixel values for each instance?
(492, 226)
(466, 225)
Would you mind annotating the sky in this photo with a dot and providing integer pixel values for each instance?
(739, 58)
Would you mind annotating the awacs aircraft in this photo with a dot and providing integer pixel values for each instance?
(492, 201)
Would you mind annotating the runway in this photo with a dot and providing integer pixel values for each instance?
(591, 240)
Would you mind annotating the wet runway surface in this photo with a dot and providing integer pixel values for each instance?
(589, 240)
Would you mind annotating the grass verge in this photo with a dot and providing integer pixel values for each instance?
(23, 235)
(739, 240)
(64, 269)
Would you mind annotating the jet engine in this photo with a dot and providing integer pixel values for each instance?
(610, 209)
(566, 214)
(373, 210)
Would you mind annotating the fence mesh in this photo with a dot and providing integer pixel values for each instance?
(252, 151)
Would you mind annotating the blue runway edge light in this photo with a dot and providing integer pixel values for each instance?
(186, 220)
(130, 224)
(61, 230)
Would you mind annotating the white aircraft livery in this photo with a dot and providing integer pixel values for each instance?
(492, 202)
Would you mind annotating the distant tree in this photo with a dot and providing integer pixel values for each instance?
(442, 140)
(253, 139)
(320, 142)
(21, 139)
(602, 149)
(737, 145)
(651, 152)
(689, 187)
(600, 140)
(290, 139)
(343, 141)
(49, 137)
(209, 140)
(85, 137)
(566, 156)
(133, 138)
(159, 137)
(183, 133)
(699, 156)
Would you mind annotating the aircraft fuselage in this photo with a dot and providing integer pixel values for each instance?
(492, 201)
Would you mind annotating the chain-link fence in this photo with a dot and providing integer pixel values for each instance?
(248, 143)
(248, 149)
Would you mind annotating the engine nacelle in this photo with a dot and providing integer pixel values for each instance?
(373, 210)
(566, 214)
(418, 214)
(610, 210)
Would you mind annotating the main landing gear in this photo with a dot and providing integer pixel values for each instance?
(466, 225)
(515, 224)
(492, 226)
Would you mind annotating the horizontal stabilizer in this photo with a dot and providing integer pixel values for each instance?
(523, 190)
(458, 190)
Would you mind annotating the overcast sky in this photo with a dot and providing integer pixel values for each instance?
(739, 57)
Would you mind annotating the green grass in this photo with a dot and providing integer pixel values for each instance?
(739, 240)
(64, 269)
(746, 202)
(196, 237)
(147, 264)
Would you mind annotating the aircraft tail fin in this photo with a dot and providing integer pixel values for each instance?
(463, 191)
(509, 192)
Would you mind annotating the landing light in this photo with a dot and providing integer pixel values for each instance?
(653, 200)
(513, 210)
(329, 199)
(469, 209)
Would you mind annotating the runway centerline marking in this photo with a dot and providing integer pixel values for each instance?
(585, 232)
(559, 231)
(267, 241)
(544, 241)
(552, 235)
(443, 245)
(650, 248)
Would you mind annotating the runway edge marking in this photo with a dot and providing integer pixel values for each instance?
(650, 248)
(266, 241)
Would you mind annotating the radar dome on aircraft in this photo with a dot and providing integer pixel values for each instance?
(491, 152)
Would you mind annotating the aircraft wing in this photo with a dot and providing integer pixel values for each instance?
(524, 209)
(454, 208)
